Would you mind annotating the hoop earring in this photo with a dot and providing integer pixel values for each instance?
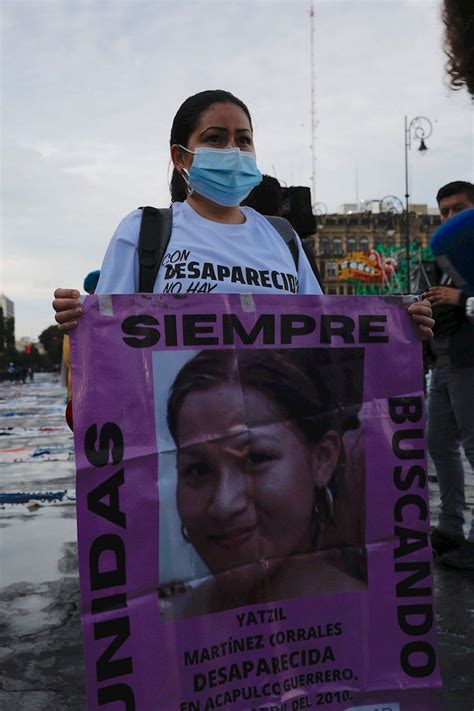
(323, 511)
(184, 534)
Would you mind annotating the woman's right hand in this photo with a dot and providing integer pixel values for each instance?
(68, 308)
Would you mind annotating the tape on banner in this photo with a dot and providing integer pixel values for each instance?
(105, 304)
(385, 706)
(247, 303)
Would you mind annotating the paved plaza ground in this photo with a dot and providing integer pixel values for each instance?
(40, 637)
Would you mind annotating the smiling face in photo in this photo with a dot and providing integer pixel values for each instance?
(246, 477)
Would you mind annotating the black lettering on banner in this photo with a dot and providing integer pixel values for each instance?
(109, 603)
(341, 326)
(265, 324)
(403, 436)
(113, 546)
(106, 667)
(405, 409)
(117, 692)
(107, 564)
(414, 472)
(192, 330)
(424, 613)
(420, 647)
(420, 570)
(142, 328)
(368, 329)
(110, 434)
(417, 658)
(111, 511)
(295, 325)
(410, 540)
(410, 500)
(171, 334)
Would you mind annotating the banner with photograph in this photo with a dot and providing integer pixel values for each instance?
(252, 504)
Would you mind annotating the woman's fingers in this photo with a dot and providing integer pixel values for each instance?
(68, 308)
(421, 312)
(66, 294)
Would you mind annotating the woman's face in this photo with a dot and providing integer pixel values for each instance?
(220, 126)
(246, 479)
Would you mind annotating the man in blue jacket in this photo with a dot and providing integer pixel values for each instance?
(451, 397)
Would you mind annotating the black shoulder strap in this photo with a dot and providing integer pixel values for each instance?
(155, 232)
(288, 235)
(291, 239)
(308, 250)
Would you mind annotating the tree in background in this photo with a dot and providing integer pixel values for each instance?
(52, 341)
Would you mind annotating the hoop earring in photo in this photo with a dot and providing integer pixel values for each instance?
(325, 508)
(184, 534)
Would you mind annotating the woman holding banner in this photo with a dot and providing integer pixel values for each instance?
(215, 244)
(261, 465)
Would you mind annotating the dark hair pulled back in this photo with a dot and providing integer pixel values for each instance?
(185, 123)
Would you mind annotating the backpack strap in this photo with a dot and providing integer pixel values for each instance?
(155, 232)
(287, 233)
(291, 239)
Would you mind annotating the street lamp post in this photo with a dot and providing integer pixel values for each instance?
(419, 128)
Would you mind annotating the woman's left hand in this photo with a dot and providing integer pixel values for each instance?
(421, 314)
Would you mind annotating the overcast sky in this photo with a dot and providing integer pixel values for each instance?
(89, 91)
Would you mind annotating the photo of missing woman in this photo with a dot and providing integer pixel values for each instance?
(261, 476)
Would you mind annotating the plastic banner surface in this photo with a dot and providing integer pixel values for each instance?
(252, 504)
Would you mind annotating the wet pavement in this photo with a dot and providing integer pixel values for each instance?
(41, 654)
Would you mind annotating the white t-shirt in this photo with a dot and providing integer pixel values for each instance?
(209, 257)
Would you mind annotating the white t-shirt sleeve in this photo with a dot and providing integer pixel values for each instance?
(119, 271)
(307, 282)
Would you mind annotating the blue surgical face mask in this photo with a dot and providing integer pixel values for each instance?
(224, 175)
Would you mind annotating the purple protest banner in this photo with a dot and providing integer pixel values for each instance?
(252, 504)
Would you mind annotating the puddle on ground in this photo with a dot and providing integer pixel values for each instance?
(31, 546)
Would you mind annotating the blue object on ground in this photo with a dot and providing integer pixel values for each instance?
(21, 497)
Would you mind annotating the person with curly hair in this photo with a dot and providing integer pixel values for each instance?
(458, 18)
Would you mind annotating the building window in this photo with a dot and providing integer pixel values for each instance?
(337, 246)
(364, 244)
(324, 245)
(351, 244)
(331, 270)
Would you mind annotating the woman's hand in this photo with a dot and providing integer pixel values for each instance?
(421, 314)
(68, 308)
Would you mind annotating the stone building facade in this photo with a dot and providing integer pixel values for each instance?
(337, 235)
